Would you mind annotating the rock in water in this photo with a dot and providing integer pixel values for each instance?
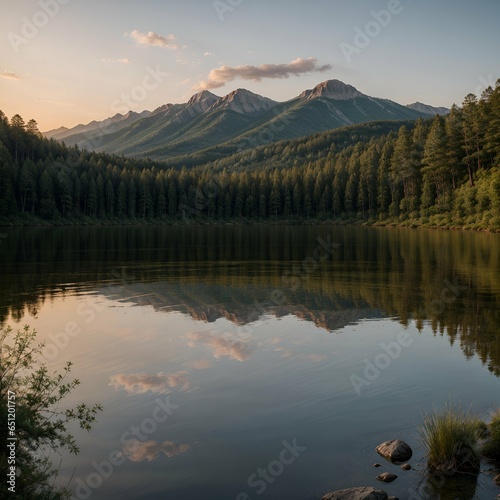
(376, 465)
(356, 494)
(386, 477)
(395, 450)
(406, 467)
(497, 479)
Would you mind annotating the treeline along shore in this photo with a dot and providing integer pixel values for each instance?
(439, 172)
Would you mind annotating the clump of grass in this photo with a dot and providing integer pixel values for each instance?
(450, 438)
(491, 448)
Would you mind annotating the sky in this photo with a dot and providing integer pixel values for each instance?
(65, 62)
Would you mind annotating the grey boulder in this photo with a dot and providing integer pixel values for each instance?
(364, 493)
(395, 450)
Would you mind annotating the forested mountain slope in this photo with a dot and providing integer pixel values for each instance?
(238, 121)
(443, 171)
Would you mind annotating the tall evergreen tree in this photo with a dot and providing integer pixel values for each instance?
(436, 170)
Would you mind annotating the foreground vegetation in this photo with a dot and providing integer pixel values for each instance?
(492, 447)
(33, 395)
(451, 440)
(455, 441)
(443, 172)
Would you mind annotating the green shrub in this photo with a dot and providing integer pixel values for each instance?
(450, 438)
(491, 449)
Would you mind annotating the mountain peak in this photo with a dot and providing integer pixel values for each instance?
(237, 119)
(244, 101)
(203, 99)
(332, 89)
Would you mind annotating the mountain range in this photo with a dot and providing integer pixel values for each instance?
(430, 110)
(238, 121)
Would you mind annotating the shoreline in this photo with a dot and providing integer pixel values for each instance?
(88, 222)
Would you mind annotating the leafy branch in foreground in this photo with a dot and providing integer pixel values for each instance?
(40, 422)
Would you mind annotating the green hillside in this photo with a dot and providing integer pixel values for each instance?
(439, 172)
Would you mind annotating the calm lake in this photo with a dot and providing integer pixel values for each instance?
(245, 362)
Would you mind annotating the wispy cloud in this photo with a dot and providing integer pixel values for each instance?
(56, 103)
(124, 60)
(221, 345)
(137, 451)
(140, 383)
(9, 75)
(218, 77)
(209, 54)
(152, 39)
(199, 364)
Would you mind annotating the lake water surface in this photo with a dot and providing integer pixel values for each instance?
(259, 362)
